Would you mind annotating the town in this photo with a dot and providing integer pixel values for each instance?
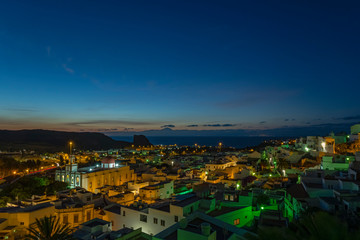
(186, 192)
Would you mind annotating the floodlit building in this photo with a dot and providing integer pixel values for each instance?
(90, 178)
(155, 219)
(336, 162)
(73, 212)
(160, 190)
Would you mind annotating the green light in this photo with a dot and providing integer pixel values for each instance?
(262, 208)
(270, 175)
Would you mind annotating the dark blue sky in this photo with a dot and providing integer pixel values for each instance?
(111, 65)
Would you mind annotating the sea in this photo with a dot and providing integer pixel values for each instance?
(236, 142)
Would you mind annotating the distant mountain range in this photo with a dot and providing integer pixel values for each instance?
(51, 141)
(285, 131)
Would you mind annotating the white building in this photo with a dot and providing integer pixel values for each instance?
(155, 219)
(219, 166)
(91, 178)
(160, 190)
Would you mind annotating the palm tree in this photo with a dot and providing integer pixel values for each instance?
(49, 228)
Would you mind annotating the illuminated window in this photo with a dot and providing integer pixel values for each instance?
(77, 181)
(237, 221)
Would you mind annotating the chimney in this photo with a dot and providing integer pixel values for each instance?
(205, 229)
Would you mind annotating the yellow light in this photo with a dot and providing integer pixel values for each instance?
(14, 172)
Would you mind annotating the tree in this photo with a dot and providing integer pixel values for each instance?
(49, 228)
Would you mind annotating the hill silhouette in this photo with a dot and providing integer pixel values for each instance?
(51, 141)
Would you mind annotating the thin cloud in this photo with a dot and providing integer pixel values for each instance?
(193, 125)
(255, 97)
(97, 122)
(66, 68)
(348, 118)
(262, 122)
(219, 125)
(168, 126)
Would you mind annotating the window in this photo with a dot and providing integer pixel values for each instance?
(88, 215)
(162, 222)
(143, 218)
(76, 218)
(21, 223)
(237, 221)
(176, 218)
(124, 213)
(155, 220)
(65, 219)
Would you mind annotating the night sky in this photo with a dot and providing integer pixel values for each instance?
(111, 66)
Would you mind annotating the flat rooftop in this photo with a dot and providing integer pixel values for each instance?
(26, 209)
(95, 222)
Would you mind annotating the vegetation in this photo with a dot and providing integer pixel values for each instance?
(49, 228)
(27, 186)
(8, 165)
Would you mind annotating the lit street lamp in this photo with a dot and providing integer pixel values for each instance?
(70, 143)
